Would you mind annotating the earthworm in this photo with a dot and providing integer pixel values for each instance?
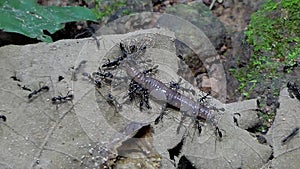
(159, 91)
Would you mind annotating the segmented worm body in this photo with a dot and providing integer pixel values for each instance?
(158, 90)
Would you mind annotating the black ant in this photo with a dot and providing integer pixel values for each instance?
(291, 135)
(62, 99)
(35, 92)
(89, 32)
(290, 67)
(116, 62)
(180, 57)
(235, 119)
(151, 70)
(60, 78)
(159, 118)
(218, 132)
(24, 87)
(112, 100)
(103, 74)
(293, 90)
(77, 69)
(135, 89)
(199, 126)
(132, 49)
(202, 99)
(3, 118)
(97, 77)
(15, 78)
(175, 85)
(97, 82)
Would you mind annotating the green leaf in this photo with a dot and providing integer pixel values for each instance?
(246, 94)
(30, 19)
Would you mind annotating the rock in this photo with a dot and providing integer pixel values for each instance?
(139, 6)
(245, 114)
(201, 16)
(287, 118)
(40, 134)
(191, 43)
(132, 6)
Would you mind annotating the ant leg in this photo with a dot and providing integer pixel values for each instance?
(141, 103)
(69, 92)
(290, 136)
(3, 118)
(183, 117)
(235, 118)
(113, 101)
(102, 74)
(199, 127)
(162, 113)
(152, 70)
(136, 89)
(146, 98)
(202, 99)
(133, 87)
(114, 63)
(176, 86)
(122, 48)
(218, 132)
(293, 90)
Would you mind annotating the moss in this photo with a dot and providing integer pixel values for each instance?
(102, 9)
(274, 35)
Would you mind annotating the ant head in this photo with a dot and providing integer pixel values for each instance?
(3, 118)
(123, 49)
(289, 85)
(132, 49)
(70, 91)
(199, 118)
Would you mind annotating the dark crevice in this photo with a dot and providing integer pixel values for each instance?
(266, 119)
(184, 163)
(294, 90)
(261, 139)
(290, 67)
(143, 131)
(255, 129)
(175, 151)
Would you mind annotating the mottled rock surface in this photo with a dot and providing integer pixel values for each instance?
(40, 134)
